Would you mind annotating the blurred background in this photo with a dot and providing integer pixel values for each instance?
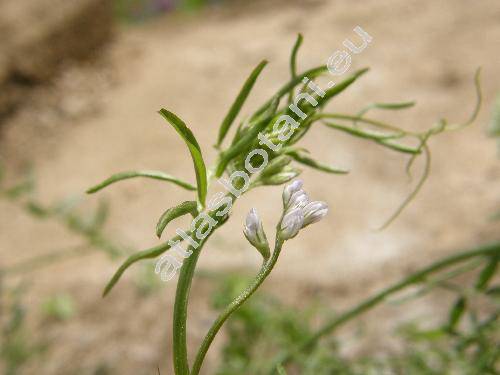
(80, 84)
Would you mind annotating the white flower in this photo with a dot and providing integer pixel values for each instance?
(299, 199)
(289, 190)
(314, 212)
(254, 232)
(299, 212)
(291, 223)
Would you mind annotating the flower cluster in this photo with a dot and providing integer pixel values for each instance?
(299, 212)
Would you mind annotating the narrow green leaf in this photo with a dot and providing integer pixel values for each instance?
(285, 175)
(487, 273)
(157, 175)
(276, 165)
(238, 103)
(385, 140)
(386, 106)
(150, 253)
(399, 147)
(240, 131)
(188, 207)
(357, 132)
(293, 64)
(341, 86)
(303, 159)
(250, 135)
(456, 313)
(425, 174)
(394, 106)
(311, 74)
(194, 149)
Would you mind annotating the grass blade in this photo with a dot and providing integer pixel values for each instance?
(238, 103)
(157, 175)
(195, 150)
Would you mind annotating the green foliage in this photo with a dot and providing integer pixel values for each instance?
(261, 327)
(258, 329)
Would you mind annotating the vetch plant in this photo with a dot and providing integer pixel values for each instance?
(260, 153)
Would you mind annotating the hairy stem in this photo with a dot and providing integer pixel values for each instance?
(367, 304)
(265, 270)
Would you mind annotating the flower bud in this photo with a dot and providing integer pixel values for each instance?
(254, 232)
(291, 223)
(314, 212)
(299, 199)
(289, 190)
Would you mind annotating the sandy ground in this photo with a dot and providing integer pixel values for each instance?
(100, 119)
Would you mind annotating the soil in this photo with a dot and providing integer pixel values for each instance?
(100, 117)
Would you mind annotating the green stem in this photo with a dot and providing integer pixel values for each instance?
(332, 325)
(181, 366)
(179, 347)
(265, 270)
